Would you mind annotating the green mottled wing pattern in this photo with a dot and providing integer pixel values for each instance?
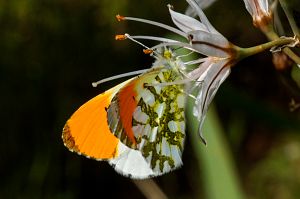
(158, 121)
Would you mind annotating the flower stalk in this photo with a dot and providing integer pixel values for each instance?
(272, 35)
(282, 41)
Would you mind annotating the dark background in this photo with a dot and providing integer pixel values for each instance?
(52, 50)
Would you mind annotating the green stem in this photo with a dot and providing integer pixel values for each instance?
(272, 35)
(246, 52)
(290, 17)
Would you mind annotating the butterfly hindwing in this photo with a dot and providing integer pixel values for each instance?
(149, 118)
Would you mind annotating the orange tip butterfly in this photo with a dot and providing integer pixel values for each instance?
(138, 126)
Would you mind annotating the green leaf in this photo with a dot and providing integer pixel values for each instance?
(219, 176)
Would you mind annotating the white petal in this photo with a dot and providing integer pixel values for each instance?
(186, 23)
(215, 76)
(264, 4)
(200, 72)
(202, 16)
(249, 4)
(209, 44)
(202, 4)
(254, 7)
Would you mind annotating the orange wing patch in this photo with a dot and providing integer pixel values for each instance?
(87, 131)
(127, 105)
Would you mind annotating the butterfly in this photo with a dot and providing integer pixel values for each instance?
(138, 126)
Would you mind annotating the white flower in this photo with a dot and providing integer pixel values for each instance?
(203, 38)
(260, 11)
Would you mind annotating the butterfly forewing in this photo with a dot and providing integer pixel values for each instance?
(149, 117)
(87, 132)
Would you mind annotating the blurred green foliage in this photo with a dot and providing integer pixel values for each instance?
(51, 51)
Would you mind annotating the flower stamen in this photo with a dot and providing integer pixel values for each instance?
(148, 51)
(165, 42)
(134, 40)
(154, 23)
(120, 18)
(133, 73)
(120, 37)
